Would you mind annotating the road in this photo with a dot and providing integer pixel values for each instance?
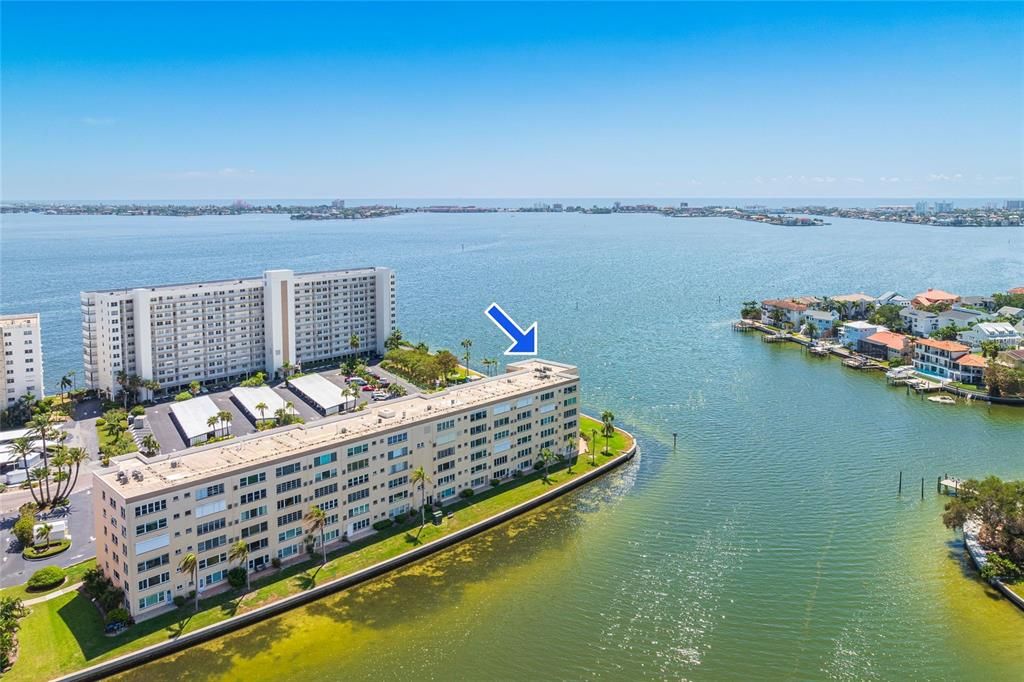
(14, 569)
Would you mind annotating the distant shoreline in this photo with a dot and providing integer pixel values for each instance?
(939, 214)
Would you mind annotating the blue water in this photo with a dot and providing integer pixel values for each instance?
(770, 544)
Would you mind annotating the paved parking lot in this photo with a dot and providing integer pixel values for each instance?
(165, 430)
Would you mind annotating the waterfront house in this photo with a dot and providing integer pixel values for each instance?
(852, 333)
(937, 357)
(969, 369)
(986, 303)
(960, 318)
(894, 298)
(1016, 290)
(823, 321)
(782, 312)
(1010, 311)
(933, 296)
(1014, 359)
(1002, 333)
(855, 305)
(886, 345)
(919, 322)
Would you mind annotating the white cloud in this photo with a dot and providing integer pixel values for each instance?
(942, 177)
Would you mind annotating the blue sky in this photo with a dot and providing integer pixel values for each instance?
(256, 101)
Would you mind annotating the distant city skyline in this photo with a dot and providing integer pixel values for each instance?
(416, 101)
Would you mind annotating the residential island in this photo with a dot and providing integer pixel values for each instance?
(934, 341)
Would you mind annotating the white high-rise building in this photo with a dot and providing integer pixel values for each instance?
(23, 357)
(357, 468)
(229, 329)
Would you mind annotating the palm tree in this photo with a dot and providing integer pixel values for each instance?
(419, 476)
(122, 381)
(43, 533)
(811, 329)
(350, 391)
(240, 553)
(224, 417)
(23, 448)
(194, 387)
(353, 342)
(466, 345)
(74, 379)
(212, 423)
(316, 520)
(59, 461)
(394, 340)
(546, 456)
(776, 317)
(75, 458)
(151, 385)
(262, 408)
(593, 447)
(40, 428)
(65, 384)
(281, 414)
(150, 446)
(573, 456)
(607, 428)
(190, 564)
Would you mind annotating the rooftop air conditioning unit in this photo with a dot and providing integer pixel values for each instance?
(174, 463)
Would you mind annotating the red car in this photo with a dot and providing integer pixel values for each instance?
(368, 387)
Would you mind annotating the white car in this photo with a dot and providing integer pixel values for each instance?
(381, 395)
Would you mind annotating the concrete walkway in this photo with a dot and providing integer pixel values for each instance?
(52, 595)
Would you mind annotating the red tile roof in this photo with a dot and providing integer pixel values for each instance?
(951, 346)
(1016, 290)
(935, 296)
(890, 339)
(971, 360)
(788, 305)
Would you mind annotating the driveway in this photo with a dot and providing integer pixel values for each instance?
(14, 569)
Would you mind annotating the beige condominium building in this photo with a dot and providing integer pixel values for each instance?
(23, 357)
(356, 467)
(226, 330)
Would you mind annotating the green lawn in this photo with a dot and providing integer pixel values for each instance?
(123, 445)
(66, 633)
(74, 575)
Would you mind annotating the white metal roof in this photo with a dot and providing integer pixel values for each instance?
(251, 397)
(192, 415)
(321, 391)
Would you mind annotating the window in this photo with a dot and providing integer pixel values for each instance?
(478, 467)
(357, 465)
(498, 461)
(211, 508)
(252, 479)
(293, 484)
(153, 599)
(150, 564)
(356, 450)
(478, 415)
(150, 526)
(447, 492)
(289, 501)
(399, 453)
(253, 513)
(478, 481)
(397, 467)
(478, 429)
(213, 560)
(210, 526)
(289, 518)
(326, 490)
(321, 460)
(398, 438)
(358, 480)
(396, 482)
(254, 529)
(445, 425)
(287, 470)
(445, 466)
(359, 495)
(253, 496)
(216, 577)
(479, 454)
(290, 534)
(501, 422)
(324, 475)
(359, 511)
(477, 442)
(150, 507)
(212, 543)
(209, 491)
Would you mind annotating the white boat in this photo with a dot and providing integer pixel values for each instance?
(944, 399)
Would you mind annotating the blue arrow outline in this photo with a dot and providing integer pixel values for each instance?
(513, 331)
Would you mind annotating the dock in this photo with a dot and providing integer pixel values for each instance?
(950, 486)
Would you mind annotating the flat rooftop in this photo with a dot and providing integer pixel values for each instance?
(241, 281)
(192, 415)
(13, 320)
(146, 477)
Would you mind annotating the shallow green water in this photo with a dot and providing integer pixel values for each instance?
(770, 544)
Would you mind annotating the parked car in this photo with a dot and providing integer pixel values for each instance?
(367, 387)
(381, 395)
(357, 381)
